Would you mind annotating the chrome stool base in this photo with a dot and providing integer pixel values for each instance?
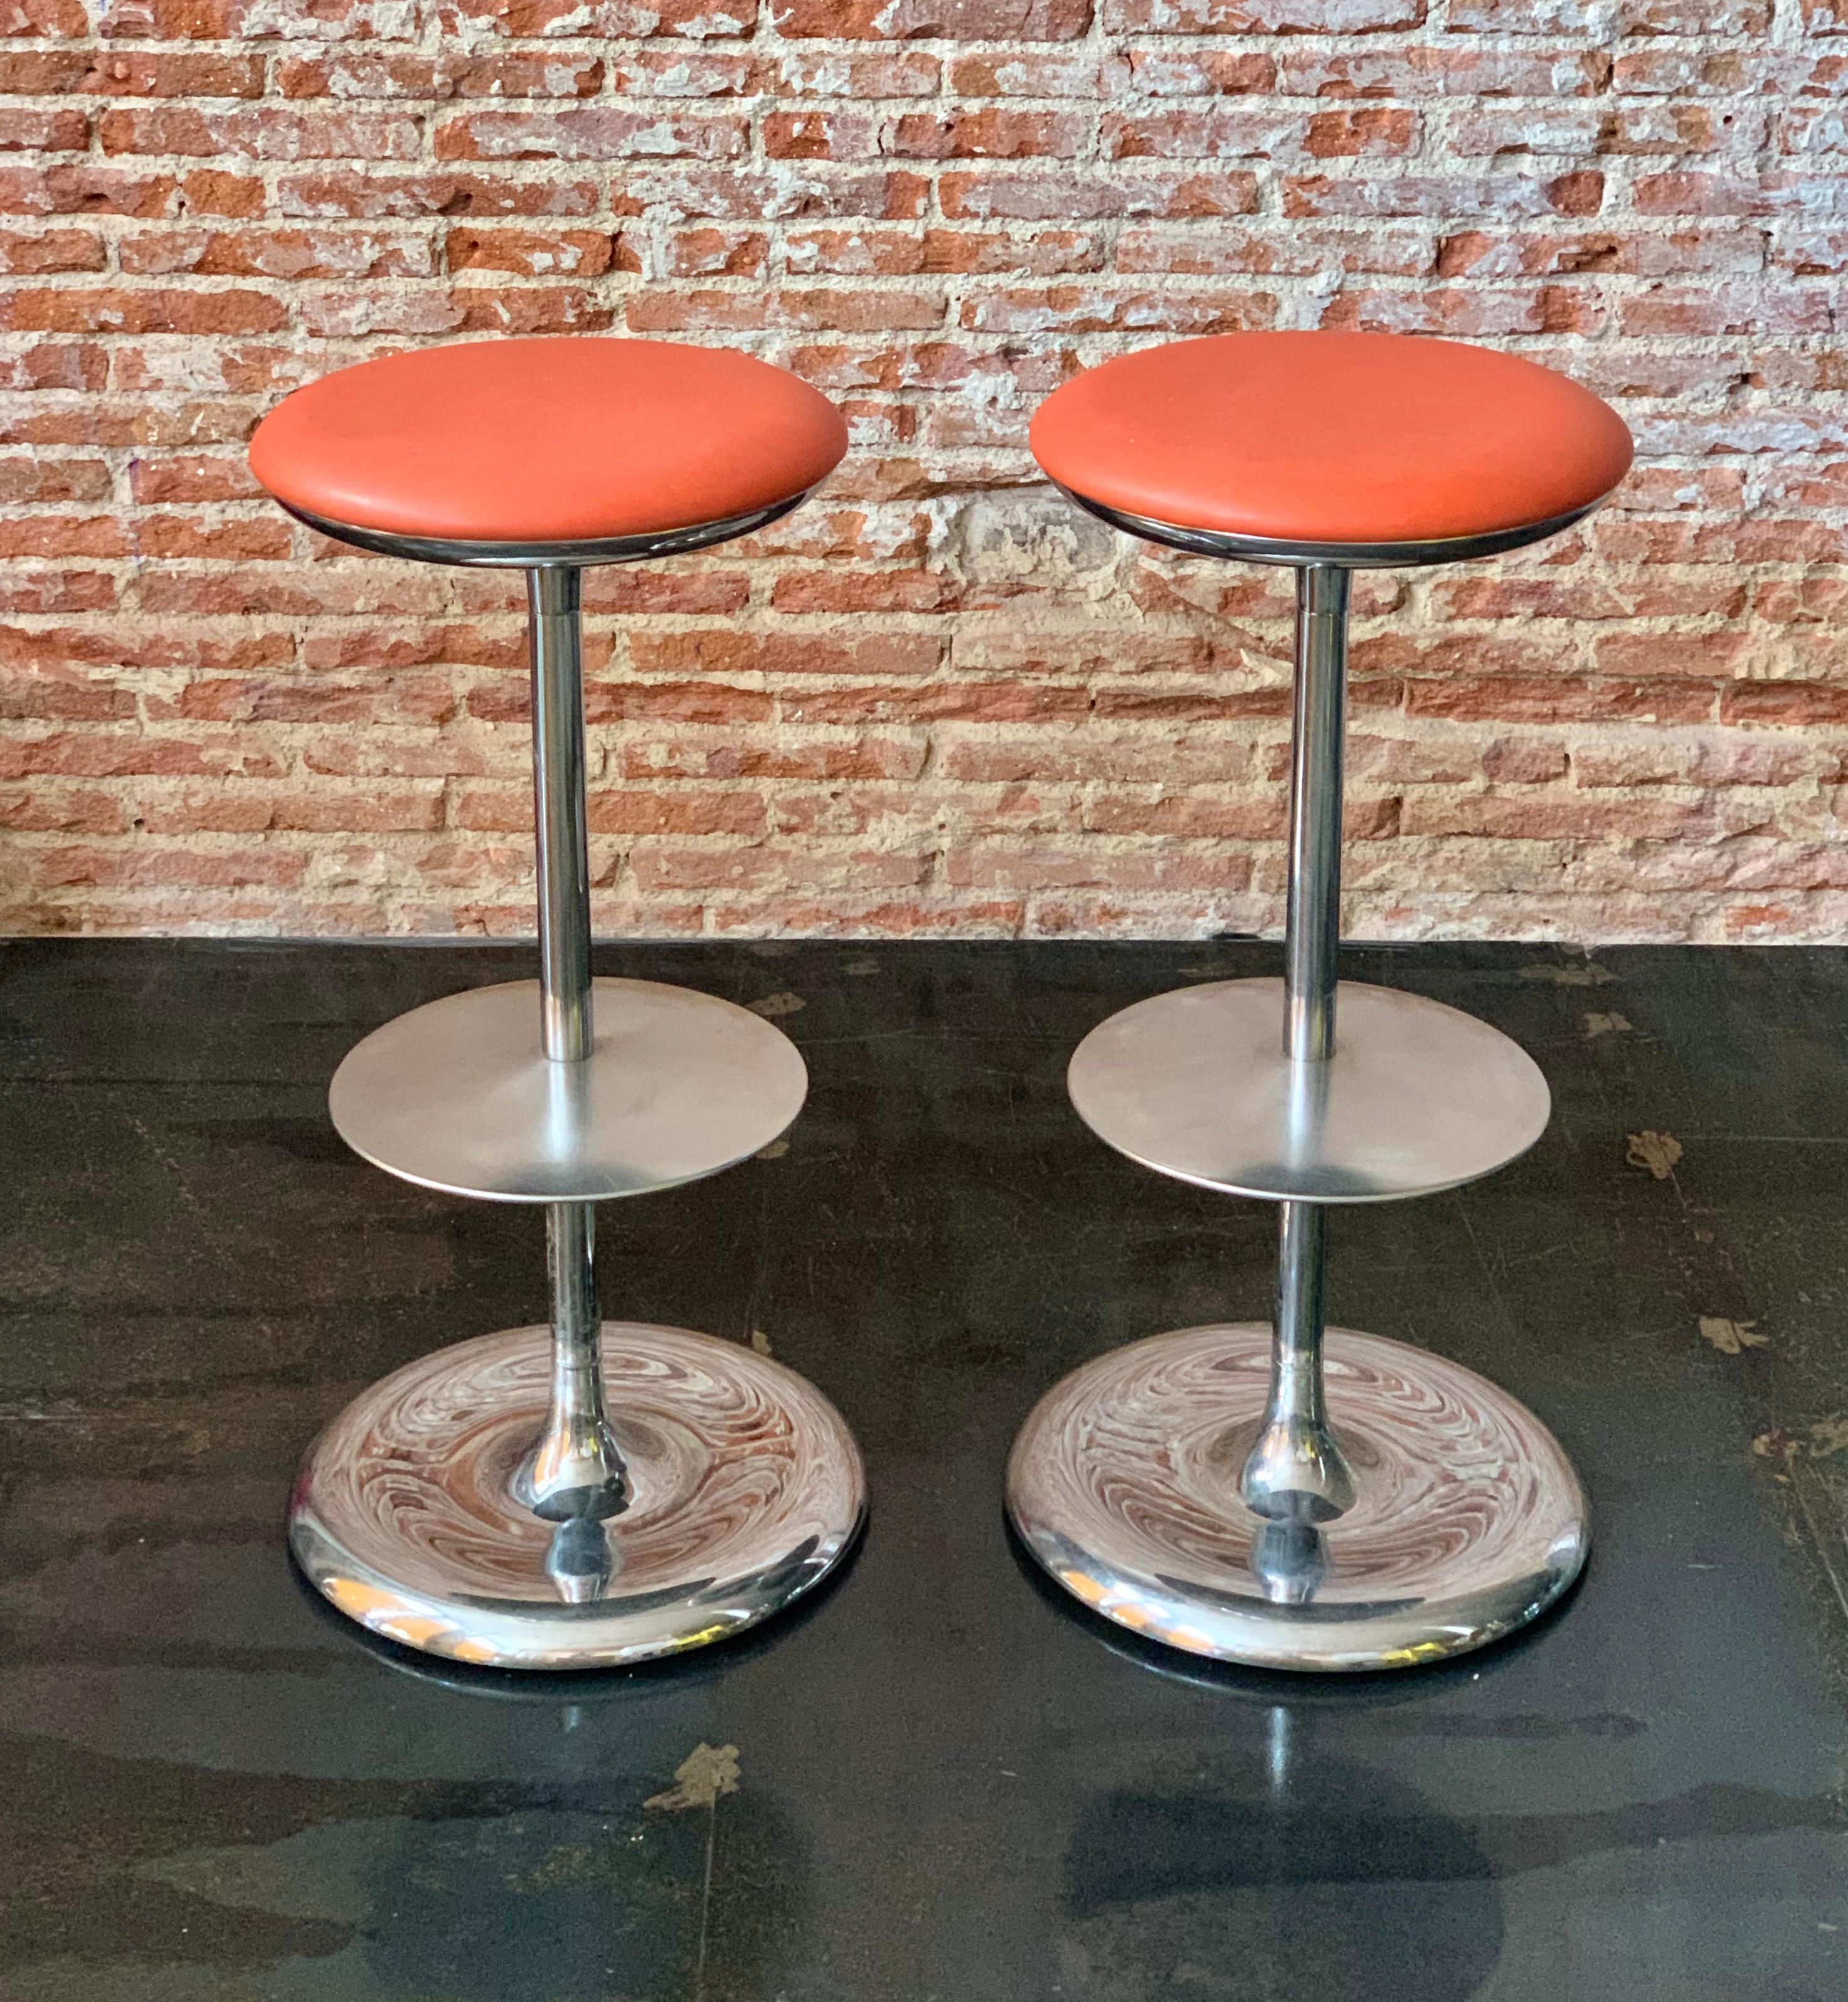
(1417, 1096)
(745, 1489)
(1467, 1519)
(460, 1095)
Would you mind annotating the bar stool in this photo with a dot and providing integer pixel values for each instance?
(594, 1491)
(1283, 1495)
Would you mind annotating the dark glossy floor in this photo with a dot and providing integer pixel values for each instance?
(949, 1788)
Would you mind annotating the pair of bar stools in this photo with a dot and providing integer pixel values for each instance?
(600, 1492)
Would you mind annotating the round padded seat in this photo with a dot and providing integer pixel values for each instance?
(1336, 440)
(549, 441)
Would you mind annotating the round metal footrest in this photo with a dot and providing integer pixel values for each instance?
(1467, 1521)
(747, 1490)
(1417, 1097)
(460, 1095)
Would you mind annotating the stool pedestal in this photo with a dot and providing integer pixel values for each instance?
(594, 1492)
(1294, 1496)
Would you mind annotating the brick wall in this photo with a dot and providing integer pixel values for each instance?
(935, 700)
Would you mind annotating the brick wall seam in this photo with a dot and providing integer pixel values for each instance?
(935, 701)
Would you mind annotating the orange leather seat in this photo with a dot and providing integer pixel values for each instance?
(560, 440)
(1346, 438)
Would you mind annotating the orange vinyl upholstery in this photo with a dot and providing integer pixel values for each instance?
(1346, 438)
(560, 440)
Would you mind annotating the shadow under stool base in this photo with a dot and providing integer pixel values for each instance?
(583, 1493)
(1290, 1495)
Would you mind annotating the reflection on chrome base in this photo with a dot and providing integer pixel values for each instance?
(1466, 1521)
(741, 1489)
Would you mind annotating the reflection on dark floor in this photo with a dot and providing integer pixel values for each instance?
(939, 1782)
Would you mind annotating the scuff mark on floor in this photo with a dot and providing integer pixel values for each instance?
(1658, 1153)
(772, 1006)
(1732, 1337)
(702, 1778)
(1610, 1024)
(774, 1151)
(859, 969)
(1823, 1438)
(706, 1772)
(760, 1342)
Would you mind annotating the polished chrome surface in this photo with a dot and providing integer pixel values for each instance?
(527, 556)
(1294, 1472)
(1467, 1519)
(1417, 1096)
(575, 1470)
(459, 1095)
(745, 1489)
(1347, 556)
(561, 839)
(1313, 922)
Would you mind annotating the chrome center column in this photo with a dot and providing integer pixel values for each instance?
(575, 1470)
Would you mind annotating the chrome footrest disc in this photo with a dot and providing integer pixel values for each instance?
(459, 1096)
(1417, 1097)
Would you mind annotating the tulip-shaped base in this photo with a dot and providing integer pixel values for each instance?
(1462, 1519)
(733, 1487)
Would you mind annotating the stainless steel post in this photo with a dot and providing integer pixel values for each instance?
(575, 1471)
(563, 842)
(1312, 925)
(1295, 1472)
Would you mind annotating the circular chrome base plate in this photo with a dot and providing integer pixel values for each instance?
(747, 1490)
(1417, 1096)
(1468, 1520)
(460, 1095)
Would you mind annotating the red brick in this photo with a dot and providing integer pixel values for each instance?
(1166, 72)
(275, 253)
(36, 478)
(1395, 70)
(1261, 17)
(371, 74)
(955, 20)
(75, 190)
(1017, 72)
(43, 17)
(24, 130)
(1559, 698)
(379, 196)
(832, 73)
(1072, 309)
(531, 253)
(850, 311)
(138, 73)
(1789, 704)
(127, 311)
(597, 133)
(991, 134)
(1453, 198)
(724, 652)
(819, 134)
(51, 250)
(1475, 314)
(268, 134)
(1050, 198)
